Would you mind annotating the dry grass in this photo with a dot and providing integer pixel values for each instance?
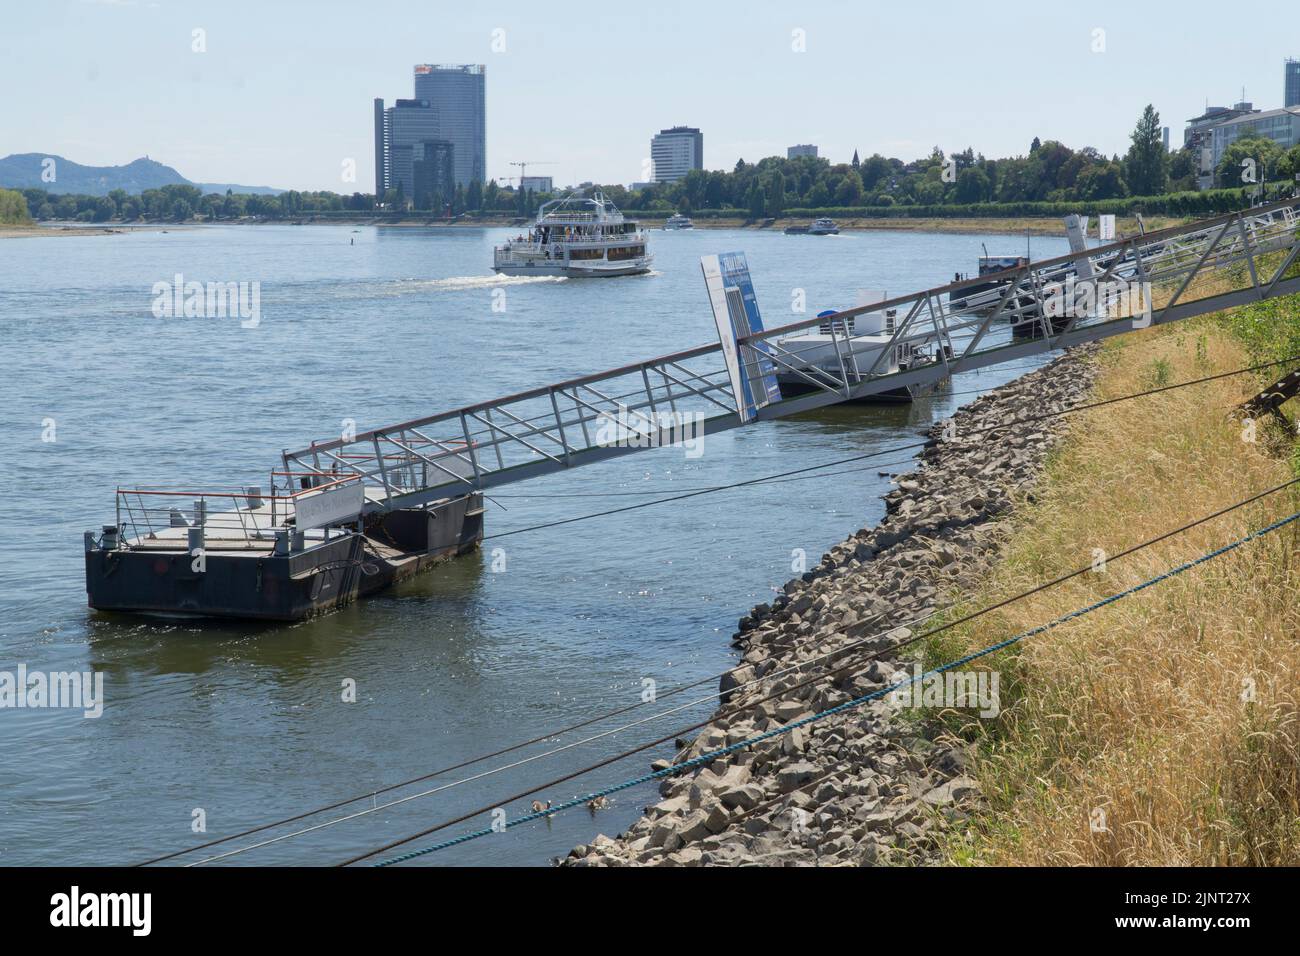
(1038, 226)
(1136, 711)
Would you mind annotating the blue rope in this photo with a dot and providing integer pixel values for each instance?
(841, 708)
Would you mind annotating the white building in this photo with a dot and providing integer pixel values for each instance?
(1282, 126)
(541, 184)
(803, 149)
(675, 152)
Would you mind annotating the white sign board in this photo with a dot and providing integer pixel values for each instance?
(1106, 228)
(718, 300)
(331, 506)
(735, 311)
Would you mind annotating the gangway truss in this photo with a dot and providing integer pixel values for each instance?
(1152, 279)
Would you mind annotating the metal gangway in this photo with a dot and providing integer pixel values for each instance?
(1176, 273)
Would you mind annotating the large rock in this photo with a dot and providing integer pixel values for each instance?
(795, 775)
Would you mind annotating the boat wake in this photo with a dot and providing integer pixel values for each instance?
(393, 288)
(457, 283)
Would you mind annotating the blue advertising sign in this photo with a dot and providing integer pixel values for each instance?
(735, 312)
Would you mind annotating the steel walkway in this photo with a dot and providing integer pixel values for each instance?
(1152, 279)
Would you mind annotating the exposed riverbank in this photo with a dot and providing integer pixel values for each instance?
(1021, 226)
(77, 229)
(869, 786)
(1163, 729)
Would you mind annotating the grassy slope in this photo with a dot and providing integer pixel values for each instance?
(1137, 710)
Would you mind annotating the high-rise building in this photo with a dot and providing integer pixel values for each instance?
(675, 152)
(457, 94)
(433, 173)
(381, 152)
(407, 125)
(416, 160)
(803, 149)
(1291, 87)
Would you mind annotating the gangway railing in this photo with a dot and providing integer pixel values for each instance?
(1176, 273)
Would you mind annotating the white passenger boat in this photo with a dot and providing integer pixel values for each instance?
(819, 227)
(579, 237)
(678, 221)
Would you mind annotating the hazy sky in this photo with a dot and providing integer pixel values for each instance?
(282, 95)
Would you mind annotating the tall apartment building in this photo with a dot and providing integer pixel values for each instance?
(675, 152)
(1291, 82)
(458, 94)
(803, 149)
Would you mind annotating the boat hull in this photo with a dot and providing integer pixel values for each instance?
(792, 385)
(572, 271)
(158, 580)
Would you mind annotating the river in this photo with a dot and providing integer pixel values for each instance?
(238, 724)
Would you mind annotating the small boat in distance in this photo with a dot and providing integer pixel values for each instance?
(578, 237)
(678, 221)
(819, 227)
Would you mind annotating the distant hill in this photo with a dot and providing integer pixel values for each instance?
(23, 171)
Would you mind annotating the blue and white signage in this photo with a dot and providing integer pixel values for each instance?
(735, 311)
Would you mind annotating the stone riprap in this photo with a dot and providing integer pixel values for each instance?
(867, 786)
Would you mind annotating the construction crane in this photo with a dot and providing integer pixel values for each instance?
(523, 166)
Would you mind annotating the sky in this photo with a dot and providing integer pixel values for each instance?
(282, 93)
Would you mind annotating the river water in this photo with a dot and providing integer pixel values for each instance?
(237, 724)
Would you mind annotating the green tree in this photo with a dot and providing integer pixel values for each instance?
(1103, 181)
(849, 190)
(1146, 167)
(774, 194)
(972, 185)
(105, 209)
(1288, 167)
(13, 208)
(1247, 161)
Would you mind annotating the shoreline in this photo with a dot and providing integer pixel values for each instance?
(878, 785)
(37, 231)
(962, 226)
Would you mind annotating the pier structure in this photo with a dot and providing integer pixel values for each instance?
(349, 515)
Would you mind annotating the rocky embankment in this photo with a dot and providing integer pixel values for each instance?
(866, 786)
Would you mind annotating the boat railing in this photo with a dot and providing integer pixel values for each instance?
(233, 516)
(612, 237)
(535, 243)
(563, 217)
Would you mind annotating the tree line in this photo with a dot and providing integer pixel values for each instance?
(1148, 177)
